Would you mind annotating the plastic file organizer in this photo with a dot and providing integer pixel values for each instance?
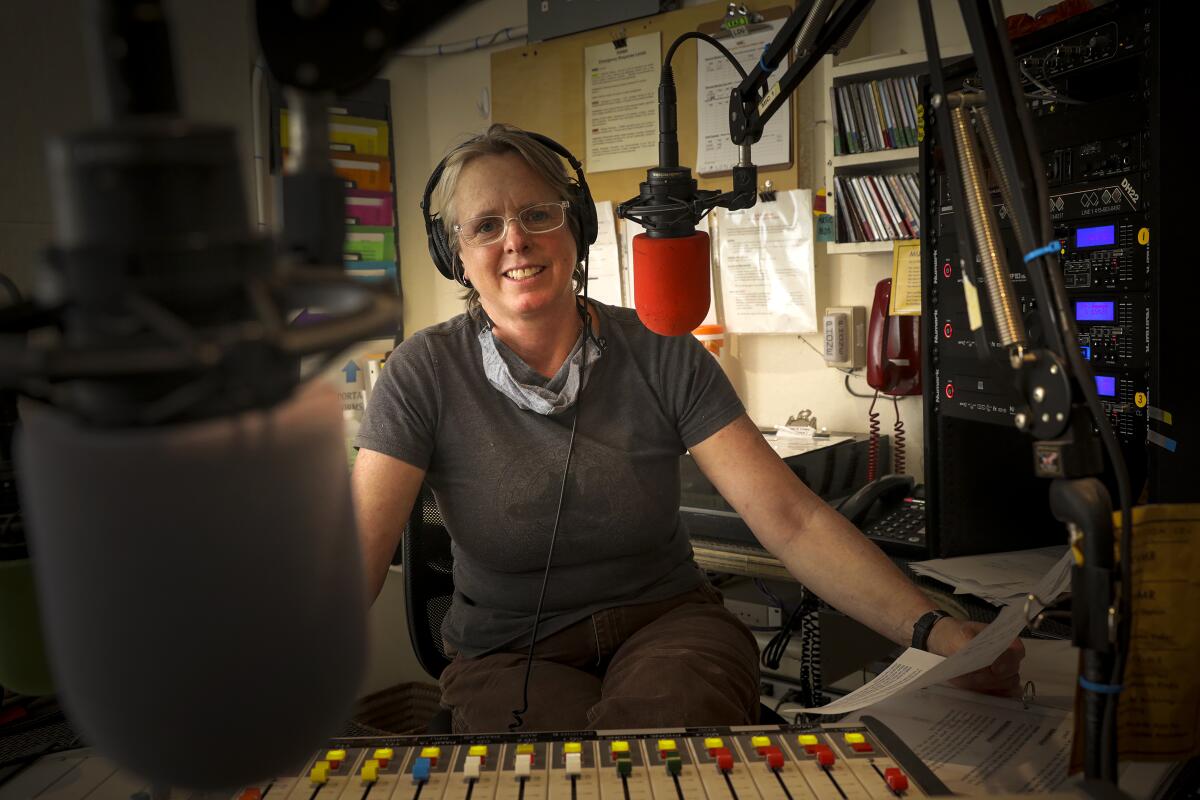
(360, 144)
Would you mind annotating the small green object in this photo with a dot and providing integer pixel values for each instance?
(825, 232)
(674, 765)
(624, 767)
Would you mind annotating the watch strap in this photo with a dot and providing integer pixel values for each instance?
(924, 625)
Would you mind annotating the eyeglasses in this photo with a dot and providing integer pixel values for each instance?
(537, 218)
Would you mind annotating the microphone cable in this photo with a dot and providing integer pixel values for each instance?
(585, 314)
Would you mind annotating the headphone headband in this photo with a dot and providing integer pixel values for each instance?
(444, 258)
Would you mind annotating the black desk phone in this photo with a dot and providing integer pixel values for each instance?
(886, 511)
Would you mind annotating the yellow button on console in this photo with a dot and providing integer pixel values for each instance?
(620, 747)
(370, 771)
(854, 738)
(573, 747)
(760, 741)
(525, 749)
(713, 742)
(319, 772)
(807, 739)
(383, 755)
(666, 745)
(477, 750)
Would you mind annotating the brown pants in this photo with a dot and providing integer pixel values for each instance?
(681, 661)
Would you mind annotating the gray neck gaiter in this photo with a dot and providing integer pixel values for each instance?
(556, 395)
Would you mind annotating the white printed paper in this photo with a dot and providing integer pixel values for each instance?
(978, 744)
(716, 78)
(916, 669)
(604, 262)
(999, 578)
(766, 262)
(621, 103)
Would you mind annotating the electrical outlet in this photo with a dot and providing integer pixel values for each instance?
(845, 333)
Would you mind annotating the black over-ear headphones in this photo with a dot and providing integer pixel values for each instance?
(582, 206)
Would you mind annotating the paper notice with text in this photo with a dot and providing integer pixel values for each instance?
(1160, 707)
(621, 103)
(604, 261)
(766, 261)
(916, 669)
(906, 280)
(978, 744)
(715, 79)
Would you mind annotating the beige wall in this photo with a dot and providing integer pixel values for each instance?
(781, 374)
(44, 90)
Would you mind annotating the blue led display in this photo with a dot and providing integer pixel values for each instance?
(1106, 386)
(1095, 311)
(1096, 237)
(1087, 352)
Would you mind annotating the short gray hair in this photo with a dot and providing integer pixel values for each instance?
(500, 139)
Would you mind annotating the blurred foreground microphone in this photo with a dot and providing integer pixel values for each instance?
(671, 259)
(186, 497)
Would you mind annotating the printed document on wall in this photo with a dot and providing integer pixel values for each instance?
(621, 103)
(604, 263)
(766, 262)
(715, 79)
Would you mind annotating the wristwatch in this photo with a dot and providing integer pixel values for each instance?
(924, 625)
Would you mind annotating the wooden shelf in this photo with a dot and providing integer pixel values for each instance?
(890, 63)
(875, 157)
(843, 248)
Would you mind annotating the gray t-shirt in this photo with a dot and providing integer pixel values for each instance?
(496, 471)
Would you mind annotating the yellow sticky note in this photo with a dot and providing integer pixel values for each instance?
(906, 280)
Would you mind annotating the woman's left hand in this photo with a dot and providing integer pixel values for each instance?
(1002, 677)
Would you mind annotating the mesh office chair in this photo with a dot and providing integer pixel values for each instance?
(428, 581)
(428, 589)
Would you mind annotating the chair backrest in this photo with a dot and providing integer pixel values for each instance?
(428, 581)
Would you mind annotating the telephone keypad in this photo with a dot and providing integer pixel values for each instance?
(900, 531)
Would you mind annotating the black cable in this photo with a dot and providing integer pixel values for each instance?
(705, 37)
(774, 650)
(517, 713)
(898, 454)
(856, 394)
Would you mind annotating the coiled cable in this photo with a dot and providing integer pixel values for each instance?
(873, 442)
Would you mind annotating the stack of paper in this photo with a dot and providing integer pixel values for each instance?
(999, 578)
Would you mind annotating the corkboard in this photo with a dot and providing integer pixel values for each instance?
(540, 88)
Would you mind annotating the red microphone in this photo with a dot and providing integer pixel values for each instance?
(670, 262)
(671, 282)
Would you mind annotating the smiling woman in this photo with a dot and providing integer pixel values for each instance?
(523, 277)
(484, 409)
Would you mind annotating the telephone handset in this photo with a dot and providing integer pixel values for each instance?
(883, 493)
(893, 347)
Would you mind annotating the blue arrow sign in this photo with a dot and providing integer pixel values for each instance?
(351, 370)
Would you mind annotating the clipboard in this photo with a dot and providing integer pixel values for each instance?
(740, 21)
(731, 26)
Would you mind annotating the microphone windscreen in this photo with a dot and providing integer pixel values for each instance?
(200, 585)
(671, 282)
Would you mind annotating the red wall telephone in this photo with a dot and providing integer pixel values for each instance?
(893, 347)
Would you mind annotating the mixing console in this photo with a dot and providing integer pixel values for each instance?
(778, 763)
